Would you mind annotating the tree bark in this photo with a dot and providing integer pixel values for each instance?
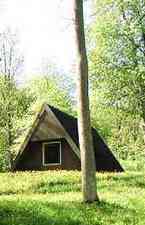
(8, 80)
(84, 125)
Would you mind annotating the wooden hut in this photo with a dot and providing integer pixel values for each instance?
(52, 143)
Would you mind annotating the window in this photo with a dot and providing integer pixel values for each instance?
(51, 153)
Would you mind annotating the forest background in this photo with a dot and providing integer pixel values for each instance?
(116, 53)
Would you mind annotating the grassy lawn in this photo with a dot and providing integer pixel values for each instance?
(54, 197)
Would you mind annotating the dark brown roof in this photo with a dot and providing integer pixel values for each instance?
(105, 160)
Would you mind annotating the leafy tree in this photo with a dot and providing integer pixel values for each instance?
(14, 103)
(10, 66)
(117, 56)
(47, 90)
(26, 102)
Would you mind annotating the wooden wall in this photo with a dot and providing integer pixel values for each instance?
(31, 159)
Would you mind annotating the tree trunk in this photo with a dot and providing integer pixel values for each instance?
(143, 119)
(84, 125)
(8, 81)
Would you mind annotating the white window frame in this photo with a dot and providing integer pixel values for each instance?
(43, 153)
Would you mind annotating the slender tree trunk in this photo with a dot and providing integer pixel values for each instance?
(9, 134)
(143, 118)
(8, 81)
(85, 135)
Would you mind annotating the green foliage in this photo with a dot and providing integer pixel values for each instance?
(122, 131)
(10, 95)
(117, 60)
(134, 165)
(22, 200)
(3, 146)
(14, 103)
(20, 105)
(117, 74)
(47, 90)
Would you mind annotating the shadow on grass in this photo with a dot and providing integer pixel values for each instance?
(131, 180)
(59, 186)
(45, 187)
(56, 187)
(37, 212)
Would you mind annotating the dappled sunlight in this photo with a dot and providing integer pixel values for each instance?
(54, 197)
(63, 209)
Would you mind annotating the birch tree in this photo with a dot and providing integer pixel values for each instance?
(10, 64)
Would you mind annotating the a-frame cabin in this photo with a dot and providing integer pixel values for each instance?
(52, 143)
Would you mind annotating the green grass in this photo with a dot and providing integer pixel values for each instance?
(54, 198)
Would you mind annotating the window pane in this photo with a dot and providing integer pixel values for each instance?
(52, 153)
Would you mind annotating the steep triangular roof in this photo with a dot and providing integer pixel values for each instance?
(105, 160)
(45, 110)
